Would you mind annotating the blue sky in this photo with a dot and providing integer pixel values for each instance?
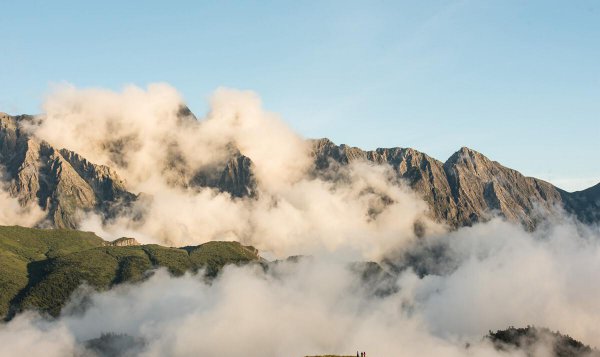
(517, 80)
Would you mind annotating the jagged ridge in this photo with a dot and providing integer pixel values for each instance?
(465, 189)
(469, 187)
(60, 181)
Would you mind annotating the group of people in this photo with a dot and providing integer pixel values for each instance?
(362, 354)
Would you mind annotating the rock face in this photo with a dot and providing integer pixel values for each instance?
(466, 189)
(480, 186)
(60, 181)
(469, 187)
(123, 242)
(585, 204)
(235, 177)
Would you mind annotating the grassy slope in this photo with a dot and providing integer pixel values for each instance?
(39, 269)
(21, 247)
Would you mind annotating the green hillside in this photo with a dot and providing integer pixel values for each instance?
(39, 269)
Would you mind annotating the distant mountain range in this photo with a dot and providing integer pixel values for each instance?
(466, 189)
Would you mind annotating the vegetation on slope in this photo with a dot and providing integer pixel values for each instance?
(39, 269)
(529, 339)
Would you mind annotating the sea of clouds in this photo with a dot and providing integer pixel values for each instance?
(489, 276)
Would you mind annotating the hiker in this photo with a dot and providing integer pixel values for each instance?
(357, 354)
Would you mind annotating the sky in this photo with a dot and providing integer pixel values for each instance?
(518, 81)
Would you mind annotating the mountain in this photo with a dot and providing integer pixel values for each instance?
(60, 181)
(40, 268)
(585, 204)
(466, 189)
(234, 176)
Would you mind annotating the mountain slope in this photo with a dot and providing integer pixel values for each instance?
(585, 204)
(40, 269)
(60, 181)
(466, 189)
(469, 187)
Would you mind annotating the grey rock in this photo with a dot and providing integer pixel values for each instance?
(468, 187)
(61, 182)
(585, 204)
(234, 176)
(123, 242)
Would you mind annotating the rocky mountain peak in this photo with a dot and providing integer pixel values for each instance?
(466, 188)
(467, 156)
(61, 182)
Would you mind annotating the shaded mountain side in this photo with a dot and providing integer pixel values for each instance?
(60, 181)
(585, 204)
(234, 176)
(468, 187)
(40, 269)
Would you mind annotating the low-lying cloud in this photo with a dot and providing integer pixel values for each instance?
(151, 142)
(308, 217)
(13, 213)
(502, 276)
(158, 148)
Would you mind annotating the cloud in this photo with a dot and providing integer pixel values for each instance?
(362, 208)
(367, 214)
(13, 213)
(503, 276)
(481, 278)
(506, 276)
(27, 335)
(149, 140)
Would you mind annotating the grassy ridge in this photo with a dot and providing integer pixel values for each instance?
(39, 269)
(21, 247)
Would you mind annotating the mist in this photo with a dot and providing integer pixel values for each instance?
(491, 275)
(362, 208)
(13, 213)
(500, 276)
